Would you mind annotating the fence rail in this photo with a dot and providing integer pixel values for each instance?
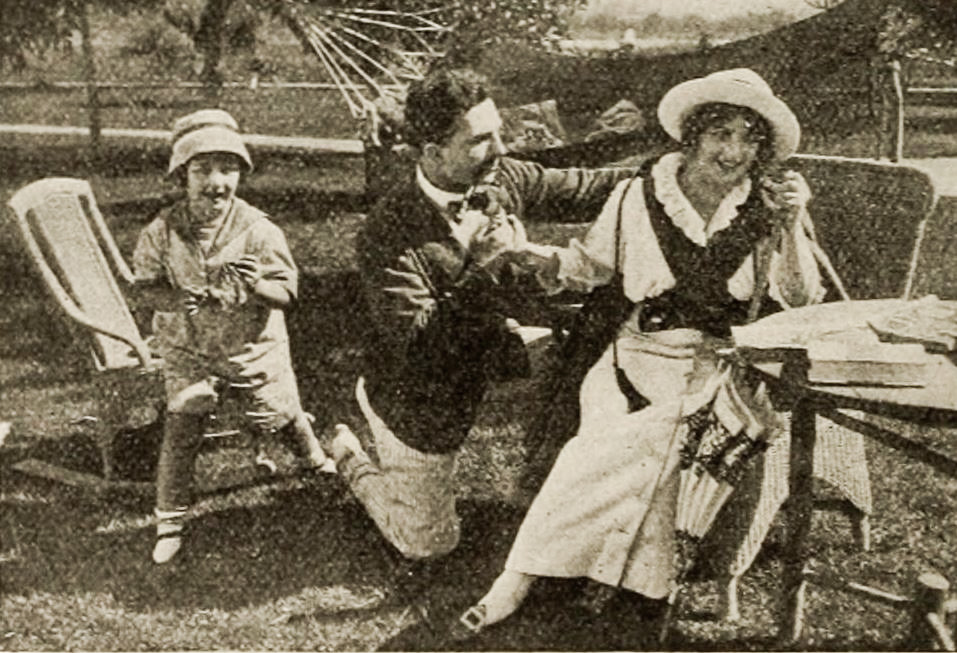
(305, 144)
(932, 95)
(74, 85)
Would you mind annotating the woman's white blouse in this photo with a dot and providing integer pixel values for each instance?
(583, 265)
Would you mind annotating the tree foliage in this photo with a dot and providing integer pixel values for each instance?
(32, 27)
(919, 29)
(397, 33)
(214, 27)
(478, 24)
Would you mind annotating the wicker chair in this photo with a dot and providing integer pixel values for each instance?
(865, 213)
(79, 262)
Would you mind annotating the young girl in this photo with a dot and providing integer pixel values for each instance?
(219, 275)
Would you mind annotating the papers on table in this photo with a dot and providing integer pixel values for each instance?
(929, 322)
(842, 345)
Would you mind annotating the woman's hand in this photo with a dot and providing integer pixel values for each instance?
(503, 234)
(786, 195)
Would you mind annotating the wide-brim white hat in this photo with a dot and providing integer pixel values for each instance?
(741, 87)
(205, 131)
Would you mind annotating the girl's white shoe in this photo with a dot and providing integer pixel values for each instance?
(169, 534)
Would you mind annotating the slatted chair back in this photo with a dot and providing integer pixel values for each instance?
(870, 218)
(72, 247)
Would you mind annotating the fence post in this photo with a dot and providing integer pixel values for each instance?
(890, 90)
(92, 95)
(930, 598)
(898, 105)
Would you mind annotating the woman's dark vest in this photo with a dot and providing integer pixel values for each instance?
(699, 300)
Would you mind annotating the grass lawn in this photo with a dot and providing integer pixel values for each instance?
(290, 563)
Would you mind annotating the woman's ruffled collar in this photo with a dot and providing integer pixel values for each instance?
(679, 209)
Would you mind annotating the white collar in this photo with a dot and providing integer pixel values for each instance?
(679, 208)
(441, 198)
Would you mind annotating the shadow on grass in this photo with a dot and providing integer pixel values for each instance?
(251, 547)
(238, 556)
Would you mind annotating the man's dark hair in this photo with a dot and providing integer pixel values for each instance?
(712, 114)
(435, 103)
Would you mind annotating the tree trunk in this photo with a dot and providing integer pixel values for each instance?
(209, 38)
(92, 94)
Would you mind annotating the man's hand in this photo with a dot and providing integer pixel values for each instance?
(503, 234)
(487, 198)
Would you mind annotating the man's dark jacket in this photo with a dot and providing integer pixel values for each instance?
(438, 322)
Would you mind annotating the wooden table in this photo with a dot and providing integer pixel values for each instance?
(934, 403)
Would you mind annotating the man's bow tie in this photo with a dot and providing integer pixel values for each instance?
(477, 201)
(454, 210)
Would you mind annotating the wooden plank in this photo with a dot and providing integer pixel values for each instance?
(92, 482)
(791, 631)
(831, 580)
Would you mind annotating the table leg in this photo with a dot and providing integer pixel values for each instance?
(798, 519)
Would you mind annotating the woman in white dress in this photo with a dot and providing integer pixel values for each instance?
(682, 237)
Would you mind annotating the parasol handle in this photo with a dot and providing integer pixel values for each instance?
(761, 259)
(668, 618)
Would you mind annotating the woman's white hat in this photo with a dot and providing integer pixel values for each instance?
(740, 86)
(208, 130)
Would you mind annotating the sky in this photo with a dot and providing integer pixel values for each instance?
(713, 9)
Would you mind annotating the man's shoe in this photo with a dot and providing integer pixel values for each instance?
(166, 548)
(325, 466)
(345, 444)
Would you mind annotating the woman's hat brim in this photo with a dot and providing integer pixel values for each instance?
(681, 100)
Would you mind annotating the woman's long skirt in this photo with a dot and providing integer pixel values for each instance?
(607, 508)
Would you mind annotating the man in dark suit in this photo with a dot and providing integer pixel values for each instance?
(434, 258)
